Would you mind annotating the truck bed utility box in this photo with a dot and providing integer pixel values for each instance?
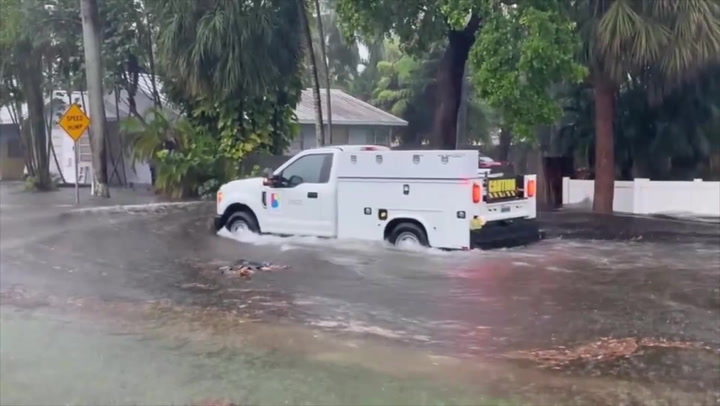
(379, 189)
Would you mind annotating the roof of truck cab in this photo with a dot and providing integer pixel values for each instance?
(346, 110)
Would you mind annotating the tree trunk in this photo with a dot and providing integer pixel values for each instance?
(16, 115)
(132, 82)
(461, 134)
(505, 141)
(31, 80)
(151, 60)
(604, 145)
(319, 131)
(449, 84)
(542, 181)
(323, 55)
(93, 63)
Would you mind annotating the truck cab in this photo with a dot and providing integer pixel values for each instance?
(431, 198)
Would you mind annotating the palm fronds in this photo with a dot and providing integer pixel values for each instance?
(222, 47)
(671, 39)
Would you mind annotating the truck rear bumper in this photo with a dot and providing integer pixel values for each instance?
(503, 234)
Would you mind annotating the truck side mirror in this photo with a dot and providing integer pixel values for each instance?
(268, 178)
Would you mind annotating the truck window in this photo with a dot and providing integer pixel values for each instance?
(313, 168)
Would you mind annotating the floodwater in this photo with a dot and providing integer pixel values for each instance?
(50, 358)
(130, 305)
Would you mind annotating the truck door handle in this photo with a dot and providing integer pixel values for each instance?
(312, 195)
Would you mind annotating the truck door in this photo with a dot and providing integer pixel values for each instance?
(305, 203)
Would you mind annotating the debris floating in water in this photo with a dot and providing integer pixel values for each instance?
(246, 269)
(604, 349)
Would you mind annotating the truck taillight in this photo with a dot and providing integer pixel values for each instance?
(477, 193)
(530, 189)
(219, 197)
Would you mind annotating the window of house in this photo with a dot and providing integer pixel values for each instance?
(382, 136)
(360, 136)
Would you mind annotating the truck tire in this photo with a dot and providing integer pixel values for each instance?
(405, 233)
(242, 221)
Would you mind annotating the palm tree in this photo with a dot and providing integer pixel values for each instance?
(307, 35)
(406, 88)
(23, 42)
(324, 58)
(667, 41)
(342, 53)
(92, 44)
(230, 49)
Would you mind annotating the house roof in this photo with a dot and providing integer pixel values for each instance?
(143, 101)
(346, 110)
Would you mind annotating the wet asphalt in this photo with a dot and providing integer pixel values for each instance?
(646, 290)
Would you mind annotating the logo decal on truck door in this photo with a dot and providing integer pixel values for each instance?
(274, 200)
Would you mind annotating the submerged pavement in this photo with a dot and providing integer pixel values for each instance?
(130, 301)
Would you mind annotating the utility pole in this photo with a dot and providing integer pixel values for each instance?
(94, 74)
(317, 103)
(324, 56)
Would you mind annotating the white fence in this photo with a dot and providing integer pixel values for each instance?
(643, 196)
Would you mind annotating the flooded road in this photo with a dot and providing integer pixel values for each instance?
(133, 305)
(82, 363)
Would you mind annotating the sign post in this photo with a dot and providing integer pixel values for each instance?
(75, 122)
(76, 147)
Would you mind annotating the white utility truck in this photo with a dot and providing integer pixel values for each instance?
(432, 198)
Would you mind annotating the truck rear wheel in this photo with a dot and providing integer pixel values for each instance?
(242, 221)
(408, 234)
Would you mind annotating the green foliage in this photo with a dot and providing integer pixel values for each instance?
(23, 45)
(673, 39)
(184, 156)
(209, 143)
(522, 54)
(363, 85)
(208, 190)
(416, 23)
(405, 87)
(230, 49)
(404, 79)
(265, 124)
(232, 69)
(343, 54)
(673, 139)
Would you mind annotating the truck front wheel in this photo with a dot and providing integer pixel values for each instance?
(242, 221)
(408, 234)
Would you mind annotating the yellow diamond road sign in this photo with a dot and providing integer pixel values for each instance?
(75, 122)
